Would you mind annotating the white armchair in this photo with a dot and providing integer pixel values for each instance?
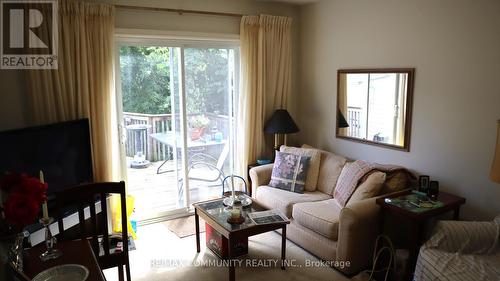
(461, 250)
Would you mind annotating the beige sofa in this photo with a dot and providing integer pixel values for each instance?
(344, 237)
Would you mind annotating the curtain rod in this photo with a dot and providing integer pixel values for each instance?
(179, 11)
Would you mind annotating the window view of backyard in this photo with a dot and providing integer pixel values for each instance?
(152, 119)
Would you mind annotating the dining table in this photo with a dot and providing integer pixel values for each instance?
(174, 140)
(73, 252)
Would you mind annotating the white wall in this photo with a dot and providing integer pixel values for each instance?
(454, 46)
(13, 109)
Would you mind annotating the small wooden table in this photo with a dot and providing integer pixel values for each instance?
(214, 214)
(249, 167)
(416, 221)
(74, 252)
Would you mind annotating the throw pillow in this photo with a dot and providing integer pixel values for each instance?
(369, 188)
(289, 172)
(314, 163)
(349, 179)
(329, 170)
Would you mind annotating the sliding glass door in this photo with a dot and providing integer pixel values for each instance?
(210, 82)
(177, 103)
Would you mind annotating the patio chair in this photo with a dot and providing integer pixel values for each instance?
(206, 168)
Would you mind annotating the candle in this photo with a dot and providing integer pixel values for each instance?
(235, 213)
(232, 187)
(45, 211)
(42, 180)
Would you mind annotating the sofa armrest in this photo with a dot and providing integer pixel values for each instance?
(465, 237)
(260, 175)
(359, 225)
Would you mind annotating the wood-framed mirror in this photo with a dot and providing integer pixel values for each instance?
(374, 106)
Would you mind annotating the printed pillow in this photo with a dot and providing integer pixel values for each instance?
(314, 163)
(289, 172)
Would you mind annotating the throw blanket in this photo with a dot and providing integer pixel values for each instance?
(353, 173)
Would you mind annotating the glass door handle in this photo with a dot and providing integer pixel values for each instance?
(122, 134)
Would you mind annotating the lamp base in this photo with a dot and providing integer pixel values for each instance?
(279, 140)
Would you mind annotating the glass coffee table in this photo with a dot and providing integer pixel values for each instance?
(215, 214)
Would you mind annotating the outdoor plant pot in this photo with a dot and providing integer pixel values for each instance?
(196, 133)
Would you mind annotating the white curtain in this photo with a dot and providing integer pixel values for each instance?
(266, 74)
(83, 84)
(342, 102)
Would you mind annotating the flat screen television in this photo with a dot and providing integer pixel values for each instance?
(62, 151)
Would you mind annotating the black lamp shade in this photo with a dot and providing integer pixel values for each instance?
(341, 122)
(281, 123)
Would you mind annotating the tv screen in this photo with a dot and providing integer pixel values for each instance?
(62, 151)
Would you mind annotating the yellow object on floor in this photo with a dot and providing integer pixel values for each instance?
(116, 210)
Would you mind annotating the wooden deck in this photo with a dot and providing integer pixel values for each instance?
(157, 193)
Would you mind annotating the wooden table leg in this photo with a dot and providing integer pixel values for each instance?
(197, 226)
(283, 246)
(416, 238)
(230, 258)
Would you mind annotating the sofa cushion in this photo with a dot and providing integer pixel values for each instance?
(369, 188)
(312, 173)
(283, 200)
(289, 172)
(321, 217)
(329, 170)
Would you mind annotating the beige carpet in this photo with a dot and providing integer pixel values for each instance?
(183, 227)
(161, 255)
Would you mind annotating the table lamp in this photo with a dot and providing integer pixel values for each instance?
(495, 168)
(280, 124)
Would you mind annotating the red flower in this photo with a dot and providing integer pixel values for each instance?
(33, 188)
(21, 209)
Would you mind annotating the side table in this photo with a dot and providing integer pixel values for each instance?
(416, 221)
(249, 167)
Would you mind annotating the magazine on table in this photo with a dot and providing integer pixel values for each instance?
(267, 217)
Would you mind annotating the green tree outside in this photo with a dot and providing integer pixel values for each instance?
(145, 79)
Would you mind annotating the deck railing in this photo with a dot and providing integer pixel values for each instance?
(354, 121)
(160, 123)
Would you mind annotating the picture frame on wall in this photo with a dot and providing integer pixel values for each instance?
(423, 183)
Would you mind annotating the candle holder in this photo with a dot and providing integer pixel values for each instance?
(50, 242)
(235, 198)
